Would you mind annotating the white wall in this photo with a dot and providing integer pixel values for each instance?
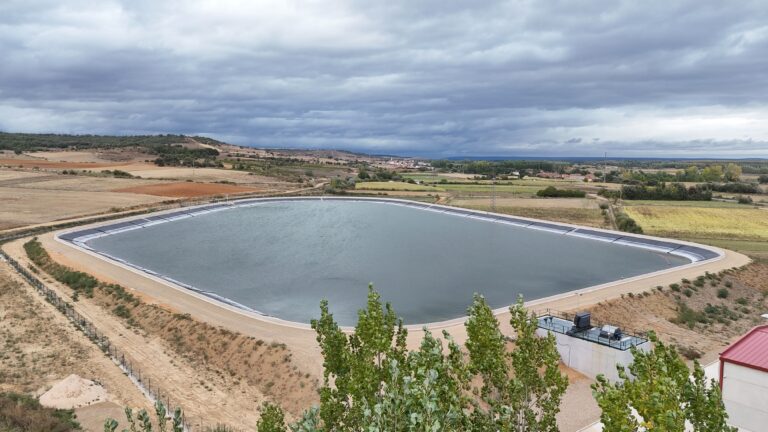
(745, 394)
(591, 358)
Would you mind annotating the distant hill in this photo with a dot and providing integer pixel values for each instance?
(28, 142)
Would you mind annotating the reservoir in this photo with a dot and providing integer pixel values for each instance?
(281, 257)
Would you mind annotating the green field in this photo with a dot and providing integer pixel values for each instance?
(487, 188)
(396, 186)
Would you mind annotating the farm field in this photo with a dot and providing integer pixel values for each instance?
(715, 223)
(396, 186)
(578, 203)
(572, 215)
(186, 189)
(703, 204)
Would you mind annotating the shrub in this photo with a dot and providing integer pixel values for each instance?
(122, 311)
(722, 293)
(627, 224)
(553, 192)
(688, 292)
(728, 284)
(689, 352)
(20, 412)
(76, 280)
(675, 287)
(689, 317)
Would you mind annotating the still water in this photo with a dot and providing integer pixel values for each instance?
(282, 258)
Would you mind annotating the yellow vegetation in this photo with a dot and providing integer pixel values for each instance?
(730, 223)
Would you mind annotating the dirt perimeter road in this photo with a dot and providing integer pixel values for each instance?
(300, 338)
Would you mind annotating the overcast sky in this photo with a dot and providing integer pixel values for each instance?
(437, 78)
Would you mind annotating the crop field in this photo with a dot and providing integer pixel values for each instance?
(487, 188)
(396, 186)
(579, 216)
(703, 204)
(702, 222)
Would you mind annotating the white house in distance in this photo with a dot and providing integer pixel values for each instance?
(744, 380)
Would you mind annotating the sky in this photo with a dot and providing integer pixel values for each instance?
(423, 78)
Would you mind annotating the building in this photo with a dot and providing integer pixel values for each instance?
(744, 380)
(588, 347)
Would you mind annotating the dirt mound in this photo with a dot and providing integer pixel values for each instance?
(73, 392)
(187, 189)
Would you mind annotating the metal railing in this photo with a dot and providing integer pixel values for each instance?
(628, 340)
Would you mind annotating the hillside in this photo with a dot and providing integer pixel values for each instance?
(29, 142)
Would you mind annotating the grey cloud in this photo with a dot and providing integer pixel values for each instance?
(433, 78)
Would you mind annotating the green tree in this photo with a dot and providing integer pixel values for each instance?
(373, 383)
(522, 389)
(356, 365)
(657, 393)
(712, 173)
(143, 422)
(732, 172)
(272, 419)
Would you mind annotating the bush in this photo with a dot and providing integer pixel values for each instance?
(667, 192)
(688, 352)
(627, 224)
(20, 412)
(553, 192)
(675, 287)
(688, 292)
(76, 280)
(745, 199)
(689, 317)
(722, 293)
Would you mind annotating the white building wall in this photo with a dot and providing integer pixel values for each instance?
(745, 394)
(591, 358)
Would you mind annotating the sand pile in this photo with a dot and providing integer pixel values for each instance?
(73, 392)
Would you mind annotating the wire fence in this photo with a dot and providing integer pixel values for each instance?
(141, 380)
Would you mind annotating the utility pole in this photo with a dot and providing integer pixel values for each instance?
(605, 165)
(493, 190)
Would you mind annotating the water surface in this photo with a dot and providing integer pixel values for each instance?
(282, 258)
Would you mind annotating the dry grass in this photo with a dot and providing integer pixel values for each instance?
(39, 348)
(186, 189)
(577, 216)
(730, 223)
(721, 319)
(395, 186)
(574, 203)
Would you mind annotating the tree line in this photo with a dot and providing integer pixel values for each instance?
(29, 142)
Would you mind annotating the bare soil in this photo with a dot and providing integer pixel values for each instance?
(216, 375)
(46, 164)
(187, 189)
(40, 347)
(659, 311)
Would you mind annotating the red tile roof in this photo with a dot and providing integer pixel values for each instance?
(750, 351)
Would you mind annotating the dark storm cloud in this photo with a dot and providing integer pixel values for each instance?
(436, 78)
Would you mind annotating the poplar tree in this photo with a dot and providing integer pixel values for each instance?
(657, 392)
